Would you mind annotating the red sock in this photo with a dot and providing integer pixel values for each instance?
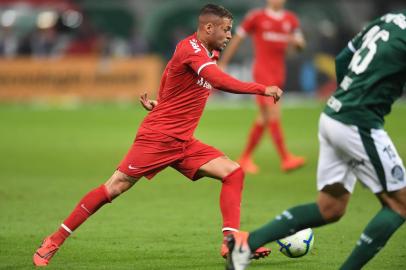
(87, 206)
(255, 136)
(230, 200)
(277, 136)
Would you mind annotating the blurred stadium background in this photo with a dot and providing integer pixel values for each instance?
(70, 75)
(112, 50)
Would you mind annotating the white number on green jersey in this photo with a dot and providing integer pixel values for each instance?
(362, 59)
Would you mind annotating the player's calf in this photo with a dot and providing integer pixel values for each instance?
(87, 206)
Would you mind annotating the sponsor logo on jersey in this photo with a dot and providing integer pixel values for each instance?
(345, 83)
(275, 36)
(398, 173)
(203, 83)
(334, 104)
(195, 46)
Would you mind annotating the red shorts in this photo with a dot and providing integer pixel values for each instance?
(153, 151)
(263, 100)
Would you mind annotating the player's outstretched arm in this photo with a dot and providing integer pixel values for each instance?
(147, 103)
(224, 82)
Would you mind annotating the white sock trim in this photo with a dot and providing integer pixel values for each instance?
(229, 229)
(66, 228)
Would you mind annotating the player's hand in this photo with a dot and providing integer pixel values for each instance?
(148, 104)
(297, 40)
(273, 91)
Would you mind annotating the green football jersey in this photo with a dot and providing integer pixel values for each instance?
(373, 75)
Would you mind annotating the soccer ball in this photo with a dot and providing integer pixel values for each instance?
(298, 244)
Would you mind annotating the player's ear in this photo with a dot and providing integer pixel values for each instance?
(209, 27)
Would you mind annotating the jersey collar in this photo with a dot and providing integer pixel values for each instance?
(277, 15)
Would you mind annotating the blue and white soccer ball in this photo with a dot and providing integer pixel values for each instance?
(298, 244)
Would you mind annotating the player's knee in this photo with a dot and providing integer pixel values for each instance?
(399, 206)
(332, 202)
(402, 209)
(261, 119)
(229, 168)
(119, 183)
(395, 200)
(235, 175)
(332, 212)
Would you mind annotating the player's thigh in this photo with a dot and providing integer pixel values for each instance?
(333, 166)
(368, 153)
(382, 169)
(268, 110)
(395, 200)
(150, 153)
(202, 160)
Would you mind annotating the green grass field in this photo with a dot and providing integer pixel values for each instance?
(50, 157)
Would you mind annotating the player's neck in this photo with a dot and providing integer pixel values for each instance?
(275, 9)
(204, 42)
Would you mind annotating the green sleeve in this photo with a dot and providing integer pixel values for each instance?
(343, 59)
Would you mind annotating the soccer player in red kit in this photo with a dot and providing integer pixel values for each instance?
(272, 29)
(165, 137)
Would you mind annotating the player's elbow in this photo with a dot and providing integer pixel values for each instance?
(216, 84)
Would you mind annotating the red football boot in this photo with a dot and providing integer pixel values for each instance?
(248, 165)
(261, 252)
(45, 252)
(292, 163)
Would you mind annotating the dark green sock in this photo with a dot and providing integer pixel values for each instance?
(289, 222)
(374, 238)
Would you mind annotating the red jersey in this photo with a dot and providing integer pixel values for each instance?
(185, 87)
(270, 31)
